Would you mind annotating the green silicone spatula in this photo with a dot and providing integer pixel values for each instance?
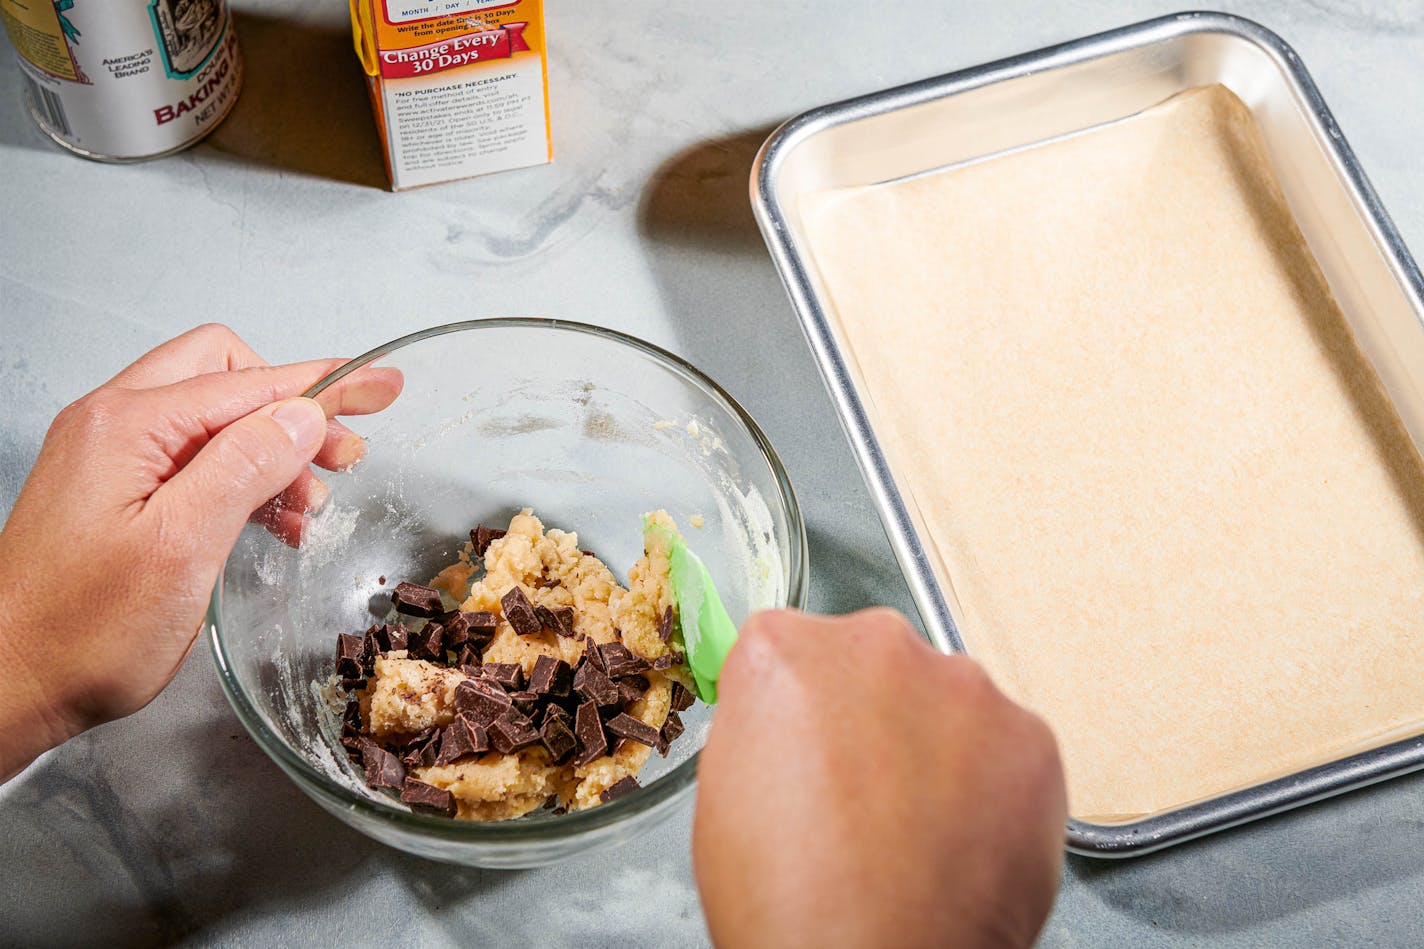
(708, 633)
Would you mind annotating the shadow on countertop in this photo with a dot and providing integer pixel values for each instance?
(1271, 869)
(303, 106)
(128, 837)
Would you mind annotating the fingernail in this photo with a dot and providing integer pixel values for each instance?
(304, 422)
(316, 496)
(348, 451)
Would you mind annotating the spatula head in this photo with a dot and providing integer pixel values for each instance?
(708, 633)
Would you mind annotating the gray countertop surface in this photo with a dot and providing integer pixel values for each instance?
(173, 826)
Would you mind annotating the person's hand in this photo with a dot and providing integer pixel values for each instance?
(860, 789)
(138, 495)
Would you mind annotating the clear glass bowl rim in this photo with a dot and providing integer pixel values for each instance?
(575, 823)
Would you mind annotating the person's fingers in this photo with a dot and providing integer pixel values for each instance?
(215, 348)
(211, 347)
(196, 409)
(237, 471)
(285, 515)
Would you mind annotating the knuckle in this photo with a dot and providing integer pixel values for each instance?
(249, 453)
(91, 415)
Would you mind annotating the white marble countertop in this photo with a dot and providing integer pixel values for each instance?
(172, 825)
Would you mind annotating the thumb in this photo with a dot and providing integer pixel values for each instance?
(240, 468)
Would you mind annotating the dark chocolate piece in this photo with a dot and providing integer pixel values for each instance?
(511, 732)
(681, 698)
(594, 657)
(631, 688)
(525, 701)
(551, 676)
(624, 785)
(619, 661)
(390, 637)
(626, 726)
(428, 796)
(557, 711)
(381, 580)
(350, 656)
(508, 674)
(671, 731)
(557, 737)
(520, 612)
(351, 718)
(460, 739)
(428, 642)
(548, 583)
(563, 621)
(665, 625)
(383, 768)
(420, 751)
(356, 745)
(668, 660)
(468, 658)
(588, 730)
(593, 685)
(483, 701)
(352, 685)
(412, 599)
(481, 537)
(545, 616)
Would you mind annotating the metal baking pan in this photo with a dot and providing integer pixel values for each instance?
(1035, 97)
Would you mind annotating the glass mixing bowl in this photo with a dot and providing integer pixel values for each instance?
(588, 427)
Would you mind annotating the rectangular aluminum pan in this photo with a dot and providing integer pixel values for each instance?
(1032, 98)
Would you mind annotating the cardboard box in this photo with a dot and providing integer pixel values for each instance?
(459, 87)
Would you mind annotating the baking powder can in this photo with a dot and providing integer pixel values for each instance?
(125, 80)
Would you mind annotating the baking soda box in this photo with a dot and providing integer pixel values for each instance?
(459, 87)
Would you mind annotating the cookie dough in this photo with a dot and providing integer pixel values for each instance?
(1178, 514)
(406, 701)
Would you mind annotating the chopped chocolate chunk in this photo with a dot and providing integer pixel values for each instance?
(351, 718)
(626, 726)
(559, 811)
(352, 685)
(483, 701)
(390, 637)
(481, 537)
(671, 731)
(668, 660)
(624, 785)
(551, 676)
(520, 612)
(681, 698)
(557, 737)
(468, 658)
(525, 701)
(545, 616)
(618, 660)
(383, 768)
(508, 674)
(460, 739)
(592, 684)
(563, 621)
(472, 671)
(412, 599)
(511, 732)
(428, 642)
(588, 553)
(483, 626)
(557, 711)
(588, 730)
(631, 688)
(356, 745)
(428, 796)
(350, 656)
(665, 625)
(381, 580)
(594, 657)
(548, 583)
(420, 751)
